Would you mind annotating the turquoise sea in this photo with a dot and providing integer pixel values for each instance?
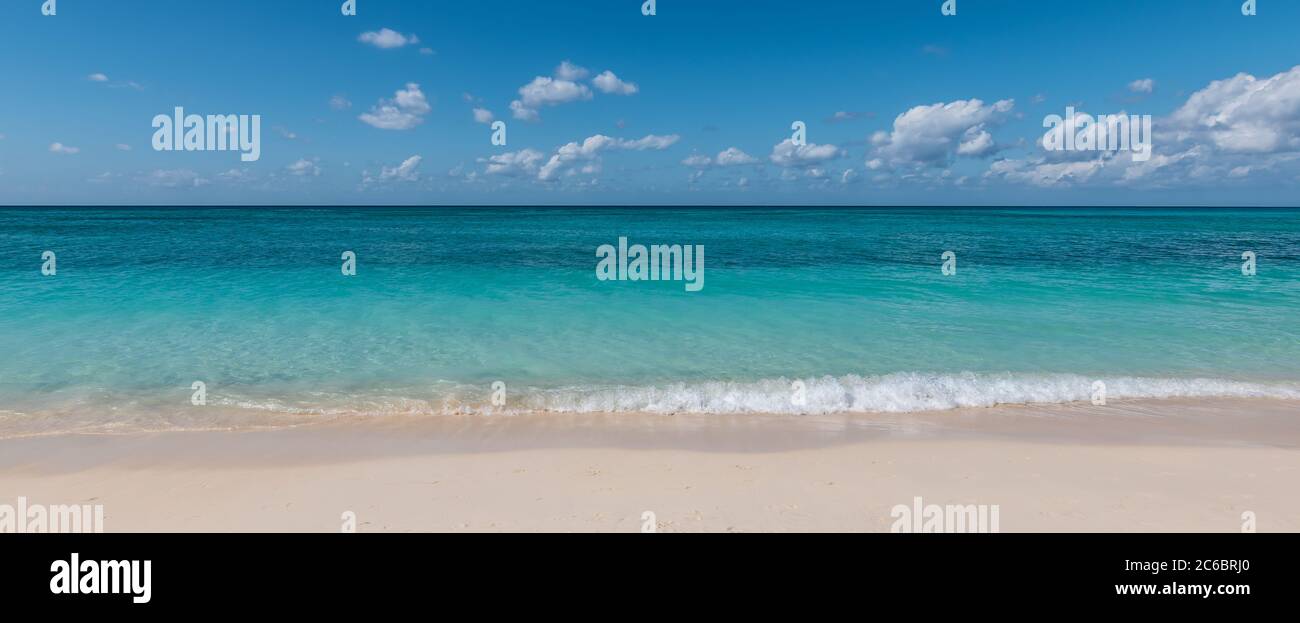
(851, 305)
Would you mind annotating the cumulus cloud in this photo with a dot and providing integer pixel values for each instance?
(123, 147)
(386, 38)
(788, 155)
(483, 115)
(698, 161)
(1243, 114)
(933, 135)
(651, 141)
(305, 168)
(403, 112)
(60, 148)
(591, 147)
(515, 163)
(97, 77)
(544, 91)
(1232, 129)
(607, 82)
(1108, 168)
(1144, 85)
(732, 156)
(976, 142)
(523, 113)
(728, 157)
(563, 87)
(570, 72)
(1040, 172)
(407, 171)
(339, 102)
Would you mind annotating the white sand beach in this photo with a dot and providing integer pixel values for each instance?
(1141, 466)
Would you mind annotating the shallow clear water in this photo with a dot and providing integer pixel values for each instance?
(447, 301)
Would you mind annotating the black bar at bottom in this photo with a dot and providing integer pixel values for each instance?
(209, 573)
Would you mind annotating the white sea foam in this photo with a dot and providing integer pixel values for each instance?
(891, 393)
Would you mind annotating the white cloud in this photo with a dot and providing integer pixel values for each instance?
(733, 157)
(607, 82)
(522, 162)
(403, 112)
(123, 147)
(1243, 114)
(543, 91)
(787, 154)
(97, 78)
(550, 91)
(698, 161)
(523, 113)
(592, 146)
(1144, 85)
(60, 148)
(1229, 130)
(304, 168)
(412, 99)
(652, 142)
(1040, 172)
(483, 115)
(569, 71)
(1178, 164)
(728, 157)
(404, 172)
(934, 134)
(976, 142)
(339, 102)
(387, 39)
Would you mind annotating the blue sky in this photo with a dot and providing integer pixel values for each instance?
(902, 104)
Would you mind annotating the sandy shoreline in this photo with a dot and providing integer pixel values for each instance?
(1138, 466)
